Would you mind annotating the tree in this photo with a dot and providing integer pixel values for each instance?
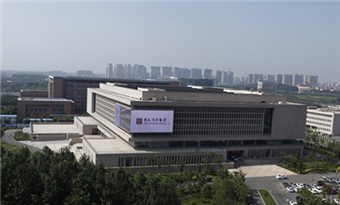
(206, 192)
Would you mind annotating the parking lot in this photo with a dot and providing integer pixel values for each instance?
(281, 193)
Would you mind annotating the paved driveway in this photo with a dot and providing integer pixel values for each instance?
(8, 137)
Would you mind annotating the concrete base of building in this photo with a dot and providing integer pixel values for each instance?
(262, 161)
(173, 169)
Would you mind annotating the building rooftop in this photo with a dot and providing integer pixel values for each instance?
(53, 128)
(45, 99)
(96, 79)
(88, 120)
(8, 116)
(117, 145)
(33, 90)
(324, 110)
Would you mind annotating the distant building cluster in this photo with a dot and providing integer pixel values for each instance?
(126, 71)
(286, 79)
(136, 71)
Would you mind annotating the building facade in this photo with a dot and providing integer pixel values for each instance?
(325, 120)
(166, 71)
(196, 73)
(39, 107)
(109, 70)
(34, 93)
(75, 88)
(155, 72)
(190, 124)
(207, 73)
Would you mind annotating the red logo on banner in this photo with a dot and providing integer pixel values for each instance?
(139, 121)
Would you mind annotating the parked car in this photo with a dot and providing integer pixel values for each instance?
(313, 190)
(300, 185)
(320, 183)
(336, 201)
(299, 199)
(281, 176)
(250, 200)
(285, 184)
(290, 189)
(323, 178)
(291, 202)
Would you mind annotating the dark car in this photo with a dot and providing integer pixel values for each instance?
(250, 200)
(285, 184)
(299, 200)
(320, 183)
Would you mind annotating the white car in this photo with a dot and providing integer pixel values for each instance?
(300, 185)
(319, 190)
(293, 202)
(314, 191)
(296, 189)
(336, 201)
(290, 189)
(281, 176)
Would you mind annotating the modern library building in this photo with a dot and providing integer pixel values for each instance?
(140, 125)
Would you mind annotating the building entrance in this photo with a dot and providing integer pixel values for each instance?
(234, 156)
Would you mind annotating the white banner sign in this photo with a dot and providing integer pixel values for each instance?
(152, 121)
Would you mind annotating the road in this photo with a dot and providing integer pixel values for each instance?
(8, 137)
(279, 193)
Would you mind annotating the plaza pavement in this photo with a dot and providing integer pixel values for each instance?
(262, 171)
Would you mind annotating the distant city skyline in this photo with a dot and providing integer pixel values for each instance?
(244, 37)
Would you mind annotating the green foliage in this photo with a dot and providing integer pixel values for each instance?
(57, 178)
(9, 105)
(19, 136)
(267, 198)
(9, 147)
(314, 99)
(40, 84)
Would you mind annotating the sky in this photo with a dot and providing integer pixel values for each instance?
(245, 37)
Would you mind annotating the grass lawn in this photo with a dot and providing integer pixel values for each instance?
(267, 197)
(9, 146)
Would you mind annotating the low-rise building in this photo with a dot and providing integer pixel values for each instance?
(324, 120)
(34, 93)
(42, 107)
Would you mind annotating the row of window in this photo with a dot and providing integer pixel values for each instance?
(318, 118)
(170, 160)
(320, 115)
(317, 123)
(211, 143)
(217, 115)
(269, 153)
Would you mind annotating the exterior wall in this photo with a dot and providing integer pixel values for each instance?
(76, 88)
(89, 151)
(336, 124)
(289, 121)
(327, 122)
(141, 160)
(55, 87)
(30, 108)
(34, 93)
